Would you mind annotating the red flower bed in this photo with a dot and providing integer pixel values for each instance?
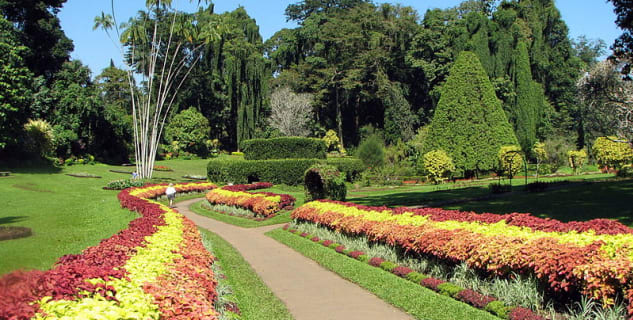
(20, 290)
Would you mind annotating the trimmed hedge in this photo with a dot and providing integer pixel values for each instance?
(324, 181)
(284, 148)
(286, 171)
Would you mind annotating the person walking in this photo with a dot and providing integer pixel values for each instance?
(171, 194)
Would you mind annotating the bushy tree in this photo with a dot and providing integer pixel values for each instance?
(15, 93)
(39, 29)
(611, 152)
(469, 123)
(190, 129)
(372, 152)
(623, 45)
(510, 160)
(291, 112)
(577, 159)
(438, 166)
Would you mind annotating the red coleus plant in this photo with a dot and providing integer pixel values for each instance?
(19, 290)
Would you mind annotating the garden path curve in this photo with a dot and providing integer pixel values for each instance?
(308, 290)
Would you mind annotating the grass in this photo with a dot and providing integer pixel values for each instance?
(425, 194)
(254, 298)
(280, 218)
(66, 214)
(414, 299)
(610, 200)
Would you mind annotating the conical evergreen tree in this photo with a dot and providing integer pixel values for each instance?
(527, 109)
(469, 123)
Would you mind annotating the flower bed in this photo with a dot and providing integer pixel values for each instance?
(264, 204)
(471, 297)
(155, 268)
(594, 258)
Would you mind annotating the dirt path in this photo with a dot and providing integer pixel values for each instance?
(308, 290)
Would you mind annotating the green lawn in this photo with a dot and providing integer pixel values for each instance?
(66, 214)
(428, 193)
(611, 200)
(416, 300)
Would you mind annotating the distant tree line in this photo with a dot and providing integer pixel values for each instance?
(358, 67)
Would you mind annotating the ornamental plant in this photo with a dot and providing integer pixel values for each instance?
(540, 154)
(332, 142)
(510, 160)
(372, 152)
(576, 159)
(264, 204)
(156, 268)
(594, 257)
(438, 165)
(322, 181)
(612, 152)
(469, 123)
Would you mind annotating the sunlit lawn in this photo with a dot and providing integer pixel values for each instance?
(66, 214)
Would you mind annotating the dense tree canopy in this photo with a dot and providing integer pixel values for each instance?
(39, 30)
(15, 95)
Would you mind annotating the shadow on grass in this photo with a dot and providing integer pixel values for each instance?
(12, 219)
(415, 198)
(28, 166)
(573, 202)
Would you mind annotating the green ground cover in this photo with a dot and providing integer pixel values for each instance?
(414, 299)
(254, 298)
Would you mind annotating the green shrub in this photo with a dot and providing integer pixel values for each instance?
(284, 148)
(324, 181)
(364, 258)
(388, 266)
(576, 159)
(332, 142)
(611, 153)
(625, 172)
(124, 184)
(416, 277)
(288, 171)
(39, 137)
(498, 308)
(333, 245)
(191, 129)
(510, 160)
(372, 152)
(438, 166)
(449, 289)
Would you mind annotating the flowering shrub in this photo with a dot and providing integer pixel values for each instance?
(163, 168)
(157, 267)
(593, 257)
(265, 204)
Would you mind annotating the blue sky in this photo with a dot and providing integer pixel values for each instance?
(593, 18)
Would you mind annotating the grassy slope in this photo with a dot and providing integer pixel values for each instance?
(66, 214)
(416, 300)
(254, 298)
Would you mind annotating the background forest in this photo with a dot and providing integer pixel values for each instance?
(360, 69)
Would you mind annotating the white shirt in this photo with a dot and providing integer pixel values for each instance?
(170, 191)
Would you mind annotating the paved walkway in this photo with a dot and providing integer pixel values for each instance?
(308, 290)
